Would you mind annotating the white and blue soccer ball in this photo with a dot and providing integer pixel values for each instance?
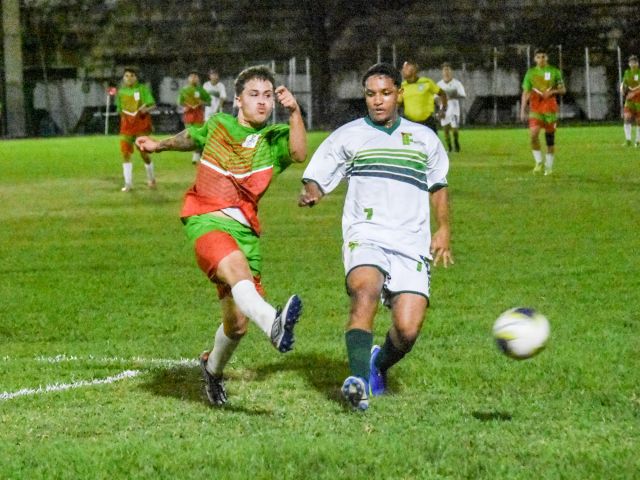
(521, 332)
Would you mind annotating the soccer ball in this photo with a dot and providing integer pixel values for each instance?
(521, 332)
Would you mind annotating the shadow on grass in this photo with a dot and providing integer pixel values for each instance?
(490, 416)
(323, 373)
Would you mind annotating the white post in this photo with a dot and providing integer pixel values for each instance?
(620, 96)
(273, 69)
(106, 114)
(587, 83)
(560, 67)
(528, 57)
(379, 53)
(495, 85)
(309, 96)
(393, 47)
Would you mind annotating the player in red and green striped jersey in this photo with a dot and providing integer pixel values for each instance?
(540, 86)
(134, 101)
(193, 99)
(631, 92)
(241, 155)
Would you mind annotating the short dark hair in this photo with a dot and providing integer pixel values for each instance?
(212, 70)
(445, 65)
(131, 70)
(384, 69)
(633, 58)
(261, 72)
(193, 72)
(540, 50)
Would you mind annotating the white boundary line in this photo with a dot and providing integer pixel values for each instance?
(58, 387)
(62, 358)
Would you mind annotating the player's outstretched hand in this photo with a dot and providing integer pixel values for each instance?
(310, 194)
(286, 99)
(441, 248)
(146, 144)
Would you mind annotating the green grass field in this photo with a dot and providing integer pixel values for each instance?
(95, 283)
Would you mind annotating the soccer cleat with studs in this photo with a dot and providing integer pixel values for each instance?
(355, 390)
(537, 168)
(286, 318)
(377, 379)
(213, 385)
(127, 188)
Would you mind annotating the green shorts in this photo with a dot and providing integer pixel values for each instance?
(248, 242)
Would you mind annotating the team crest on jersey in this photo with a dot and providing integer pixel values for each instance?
(547, 76)
(251, 141)
(420, 87)
(136, 96)
(635, 77)
(406, 138)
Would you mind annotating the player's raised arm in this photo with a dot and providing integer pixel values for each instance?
(297, 130)
(182, 142)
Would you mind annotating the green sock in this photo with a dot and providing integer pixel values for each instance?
(359, 351)
(389, 355)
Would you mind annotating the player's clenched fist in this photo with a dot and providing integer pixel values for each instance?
(286, 98)
(146, 144)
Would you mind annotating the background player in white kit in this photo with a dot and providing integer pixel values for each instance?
(451, 120)
(218, 93)
(395, 168)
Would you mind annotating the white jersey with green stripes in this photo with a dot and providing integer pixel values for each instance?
(390, 172)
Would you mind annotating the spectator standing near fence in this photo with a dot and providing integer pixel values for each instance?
(134, 101)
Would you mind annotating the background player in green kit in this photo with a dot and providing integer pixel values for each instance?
(395, 168)
(240, 157)
(134, 101)
(193, 99)
(631, 92)
(540, 86)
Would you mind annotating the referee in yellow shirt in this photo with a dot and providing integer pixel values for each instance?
(418, 95)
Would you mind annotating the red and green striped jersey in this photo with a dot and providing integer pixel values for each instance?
(237, 166)
(537, 80)
(631, 81)
(129, 100)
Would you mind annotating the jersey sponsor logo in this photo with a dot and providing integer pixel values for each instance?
(251, 141)
(547, 76)
(406, 138)
(136, 96)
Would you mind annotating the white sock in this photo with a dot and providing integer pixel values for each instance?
(548, 165)
(127, 171)
(223, 348)
(253, 305)
(627, 131)
(537, 156)
(150, 174)
(195, 158)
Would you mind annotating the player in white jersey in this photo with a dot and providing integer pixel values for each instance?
(394, 168)
(451, 120)
(218, 93)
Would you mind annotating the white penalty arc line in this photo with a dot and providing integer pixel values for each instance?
(58, 387)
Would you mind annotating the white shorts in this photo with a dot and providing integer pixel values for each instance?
(402, 273)
(450, 119)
